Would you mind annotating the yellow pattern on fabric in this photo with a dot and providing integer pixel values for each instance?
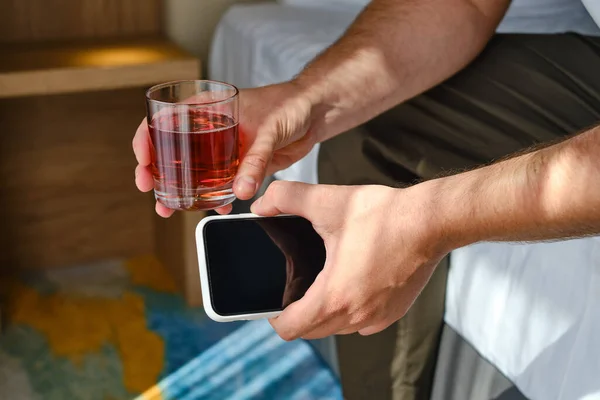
(147, 271)
(76, 326)
(154, 393)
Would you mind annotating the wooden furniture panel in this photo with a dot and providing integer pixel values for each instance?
(44, 20)
(67, 193)
(72, 81)
(53, 68)
(176, 249)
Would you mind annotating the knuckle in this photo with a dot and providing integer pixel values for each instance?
(367, 314)
(276, 191)
(373, 331)
(340, 303)
(364, 315)
(256, 161)
(288, 337)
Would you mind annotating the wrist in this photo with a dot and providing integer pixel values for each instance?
(314, 95)
(418, 209)
(448, 209)
(483, 204)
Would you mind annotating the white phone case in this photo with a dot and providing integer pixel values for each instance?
(206, 297)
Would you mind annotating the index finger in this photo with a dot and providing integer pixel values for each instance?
(286, 197)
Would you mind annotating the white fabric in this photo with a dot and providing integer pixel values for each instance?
(268, 43)
(328, 4)
(523, 16)
(593, 7)
(533, 311)
(548, 16)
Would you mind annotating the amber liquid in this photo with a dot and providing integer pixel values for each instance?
(195, 158)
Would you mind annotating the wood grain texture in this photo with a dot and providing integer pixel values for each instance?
(42, 68)
(47, 20)
(175, 244)
(67, 193)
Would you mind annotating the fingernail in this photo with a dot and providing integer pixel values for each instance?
(246, 184)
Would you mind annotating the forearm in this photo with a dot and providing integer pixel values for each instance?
(395, 50)
(553, 193)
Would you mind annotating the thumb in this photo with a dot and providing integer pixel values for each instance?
(283, 197)
(253, 167)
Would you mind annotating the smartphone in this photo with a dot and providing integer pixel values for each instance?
(252, 267)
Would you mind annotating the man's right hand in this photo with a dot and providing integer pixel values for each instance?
(275, 132)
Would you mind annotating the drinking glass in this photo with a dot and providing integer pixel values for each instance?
(194, 143)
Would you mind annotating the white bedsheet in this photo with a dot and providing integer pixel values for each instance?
(532, 310)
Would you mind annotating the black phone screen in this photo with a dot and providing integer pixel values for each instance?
(258, 265)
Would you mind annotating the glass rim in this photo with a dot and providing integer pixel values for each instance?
(159, 86)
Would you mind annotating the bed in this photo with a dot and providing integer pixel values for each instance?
(529, 311)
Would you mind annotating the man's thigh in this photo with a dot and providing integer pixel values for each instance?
(521, 91)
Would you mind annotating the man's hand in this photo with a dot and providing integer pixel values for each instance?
(381, 251)
(383, 244)
(274, 133)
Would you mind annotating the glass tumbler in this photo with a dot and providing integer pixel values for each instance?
(194, 143)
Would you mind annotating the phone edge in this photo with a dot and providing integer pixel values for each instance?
(203, 271)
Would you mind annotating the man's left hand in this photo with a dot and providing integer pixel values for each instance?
(382, 247)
